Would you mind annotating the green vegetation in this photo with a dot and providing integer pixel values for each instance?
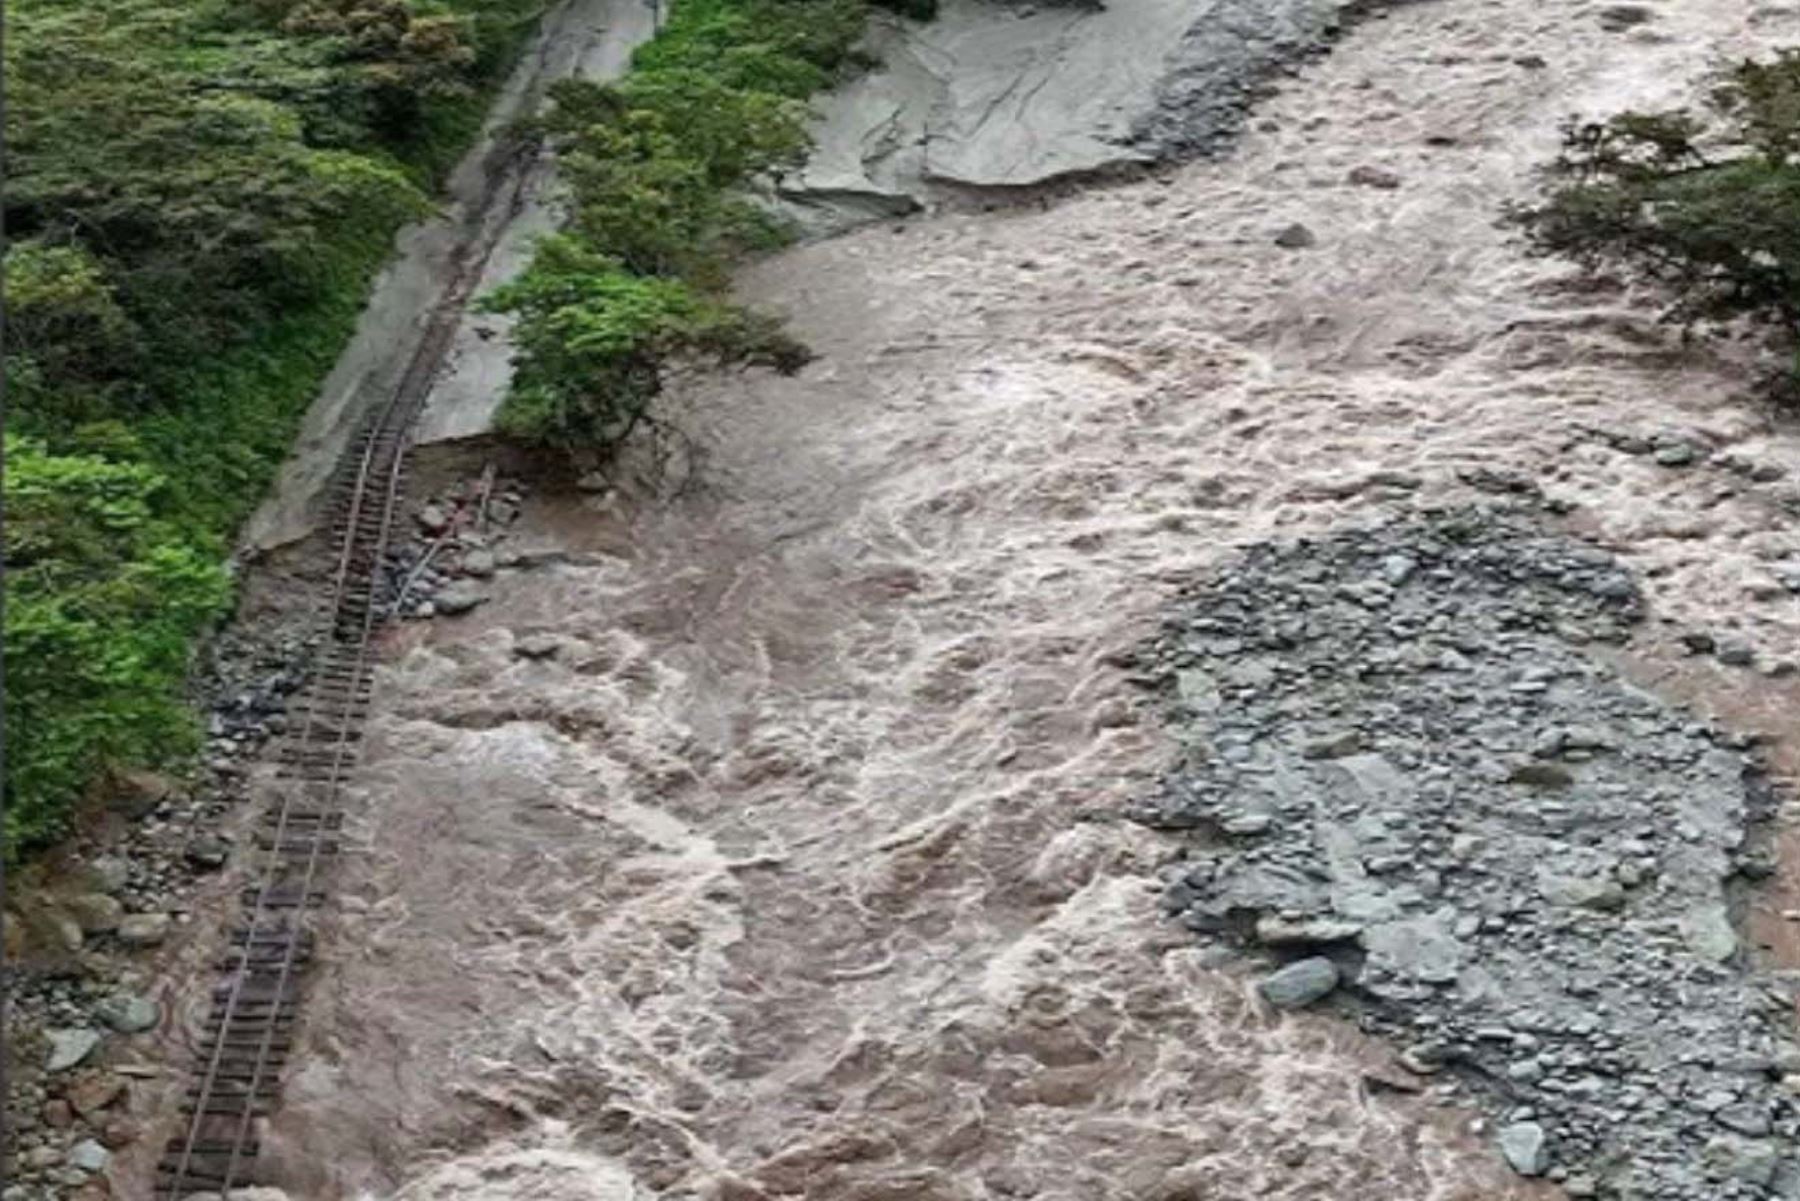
(657, 164)
(198, 194)
(1706, 204)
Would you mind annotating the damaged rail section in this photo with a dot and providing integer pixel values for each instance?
(248, 1038)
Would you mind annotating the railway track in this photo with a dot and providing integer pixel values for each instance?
(248, 1036)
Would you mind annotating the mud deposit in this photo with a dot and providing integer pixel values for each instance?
(766, 838)
(1398, 757)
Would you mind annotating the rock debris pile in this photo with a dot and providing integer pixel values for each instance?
(1406, 781)
(458, 543)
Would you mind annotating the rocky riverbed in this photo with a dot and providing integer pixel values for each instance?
(1406, 777)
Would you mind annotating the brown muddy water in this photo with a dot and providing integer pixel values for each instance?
(799, 869)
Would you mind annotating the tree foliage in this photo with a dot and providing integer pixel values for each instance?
(197, 194)
(1704, 203)
(656, 166)
(102, 600)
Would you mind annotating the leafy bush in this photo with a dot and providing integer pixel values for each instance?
(1706, 204)
(592, 338)
(656, 164)
(102, 600)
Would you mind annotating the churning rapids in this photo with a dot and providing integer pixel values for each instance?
(800, 868)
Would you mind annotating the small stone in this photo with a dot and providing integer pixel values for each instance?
(1541, 775)
(1531, 62)
(1676, 454)
(1272, 930)
(1744, 1118)
(478, 563)
(143, 929)
(1736, 654)
(593, 481)
(1295, 237)
(1754, 1161)
(1617, 17)
(58, 1115)
(1522, 1143)
(208, 852)
(1300, 984)
(433, 519)
(1698, 642)
(1707, 931)
(1397, 569)
(108, 874)
(1581, 1187)
(69, 1047)
(119, 1132)
(459, 598)
(128, 1014)
(94, 1091)
(537, 646)
(1334, 746)
(1374, 177)
(89, 1156)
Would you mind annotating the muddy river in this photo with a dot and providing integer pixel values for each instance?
(798, 868)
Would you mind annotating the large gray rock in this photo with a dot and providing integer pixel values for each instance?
(143, 929)
(94, 912)
(1524, 1146)
(1708, 933)
(69, 1047)
(89, 1156)
(459, 597)
(127, 1013)
(1420, 949)
(1300, 984)
(1752, 1160)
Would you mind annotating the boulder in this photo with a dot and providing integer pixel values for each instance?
(1300, 984)
(1523, 1145)
(92, 1092)
(89, 1156)
(144, 929)
(459, 598)
(94, 912)
(1295, 237)
(1374, 177)
(128, 1014)
(69, 1046)
(537, 646)
(137, 793)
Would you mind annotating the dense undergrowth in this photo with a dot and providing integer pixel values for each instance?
(657, 164)
(198, 194)
(1705, 204)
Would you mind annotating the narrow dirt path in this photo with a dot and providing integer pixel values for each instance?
(798, 869)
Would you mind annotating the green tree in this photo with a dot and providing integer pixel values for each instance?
(102, 600)
(1706, 204)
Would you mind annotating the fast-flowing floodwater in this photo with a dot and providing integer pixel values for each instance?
(798, 869)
